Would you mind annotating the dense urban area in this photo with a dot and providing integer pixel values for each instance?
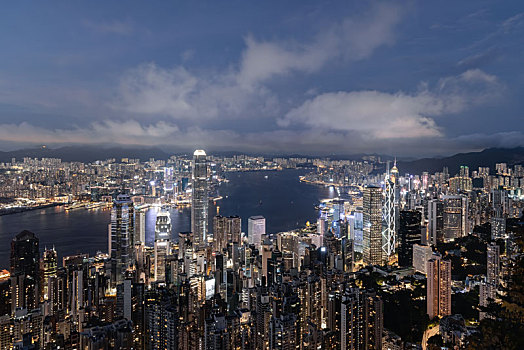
(393, 261)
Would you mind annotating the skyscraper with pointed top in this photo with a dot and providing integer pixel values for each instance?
(199, 200)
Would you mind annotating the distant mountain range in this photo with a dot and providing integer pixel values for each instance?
(85, 153)
(488, 157)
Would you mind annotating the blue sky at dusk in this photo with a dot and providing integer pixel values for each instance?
(319, 77)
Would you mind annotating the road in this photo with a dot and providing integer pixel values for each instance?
(428, 334)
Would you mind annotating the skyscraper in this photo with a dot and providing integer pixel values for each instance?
(438, 287)
(140, 226)
(361, 320)
(50, 265)
(389, 217)
(493, 264)
(409, 234)
(199, 205)
(488, 288)
(256, 228)
(435, 221)
(226, 230)
(25, 271)
(455, 217)
(372, 222)
(162, 244)
(122, 237)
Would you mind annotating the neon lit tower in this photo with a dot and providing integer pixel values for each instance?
(389, 215)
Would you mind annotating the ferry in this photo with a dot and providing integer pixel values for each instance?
(75, 205)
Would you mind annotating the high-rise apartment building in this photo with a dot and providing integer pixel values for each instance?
(256, 228)
(361, 320)
(372, 225)
(199, 199)
(438, 287)
(493, 264)
(421, 255)
(122, 237)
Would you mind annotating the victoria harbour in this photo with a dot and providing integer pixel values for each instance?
(278, 195)
(268, 175)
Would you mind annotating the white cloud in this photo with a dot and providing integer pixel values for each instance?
(353, 39)
(384, 115)
(237, 92)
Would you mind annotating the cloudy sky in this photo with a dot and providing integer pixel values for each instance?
(320, 77)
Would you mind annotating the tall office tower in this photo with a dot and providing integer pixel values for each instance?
(409, 234)
(226, 230)
(438, 287)
(49, 268)
(435, 222)
(356, 229)
(372, 225)
(25, 271)
(256, 228)
(493, 264)
(455, 217)
(361, 320)
(389, 218)
(122, 238)
(162, 244)
(140, 226)
(199, 204)
(338, 209)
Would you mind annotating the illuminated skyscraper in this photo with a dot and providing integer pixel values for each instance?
(162, 244)
(140, 226)
(25, 271)
(50, 265)
(435, 222)
(226, 230)
(493, 264)
(372, 225)
(199, 205)
(438, 287)
(389, 216)
(455, 217)
(122, 237)
(256, 228)
(409, 234)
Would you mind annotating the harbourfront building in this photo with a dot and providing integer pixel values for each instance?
(199, 199)
(256, 229)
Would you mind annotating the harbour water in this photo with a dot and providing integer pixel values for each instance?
(279, 196)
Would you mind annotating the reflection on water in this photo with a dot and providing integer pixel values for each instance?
(278, 195)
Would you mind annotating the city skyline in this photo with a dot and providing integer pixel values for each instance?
(404, 78)
(269, 175)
